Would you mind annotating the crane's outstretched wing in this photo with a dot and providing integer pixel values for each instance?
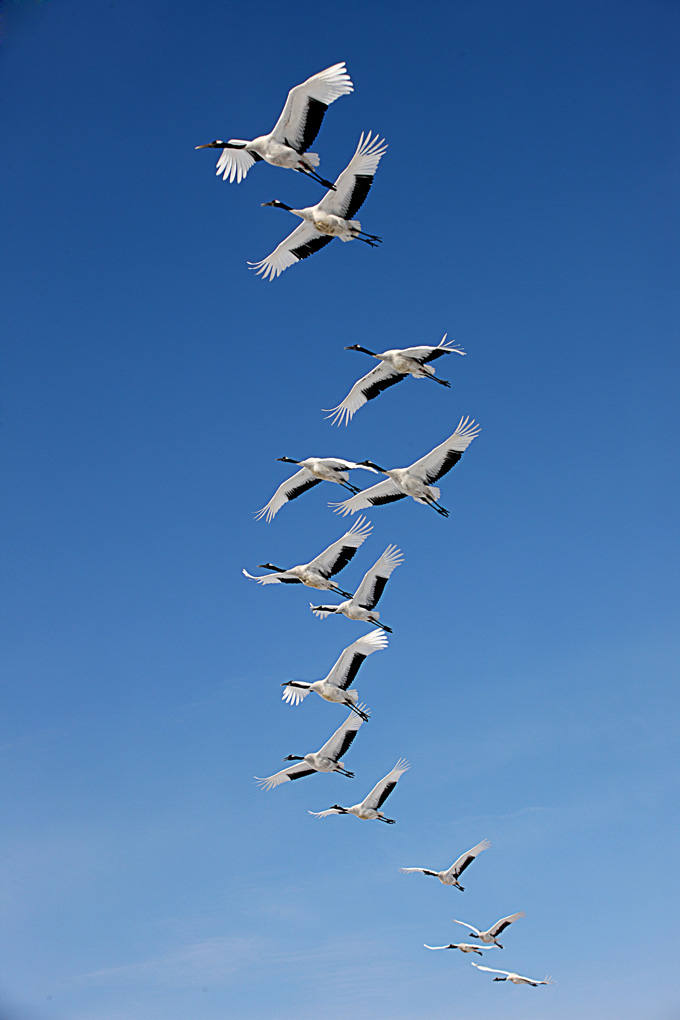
(296, 771)
(453, 945)
(477, 931)
(427, 353)
(354, 183)
(459, 866)
(234, 164)
(306, 105)
(322, 611)
(336, 556)
(438, 462)
(304, 241)
(381, 791)
(290, 489)
(374, 580)
(347, 666)
(369, 386)
(384, 492)
(326, 813)
(341, 741)
(491, 970)
(295, 695)
(501, 925)
(425, 871)
(276, 578)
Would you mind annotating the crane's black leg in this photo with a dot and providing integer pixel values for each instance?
(442, 382)
(315, 176)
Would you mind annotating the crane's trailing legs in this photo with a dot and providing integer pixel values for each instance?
(315, 176)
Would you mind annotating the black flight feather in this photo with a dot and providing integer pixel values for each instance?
(304, 250)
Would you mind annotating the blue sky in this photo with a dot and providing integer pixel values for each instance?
(529, 207)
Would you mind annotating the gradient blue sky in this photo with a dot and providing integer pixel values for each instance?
(529, 207)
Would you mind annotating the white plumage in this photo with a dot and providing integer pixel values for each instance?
(326, 759)
(516, 979)
(361, 605)
(334, 687)
(295, 130)
(314, 471)
(464, 947)
(332, 216)
(394, 366)
(415, 480)
(451, 876)
(319, 571)
(490, 936)
(369, 807)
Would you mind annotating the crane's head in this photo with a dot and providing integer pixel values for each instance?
(288, 460)
(370, 464)
(292, 757)
(270, 566)
(219, 144)
(277, 204)
(358, 347)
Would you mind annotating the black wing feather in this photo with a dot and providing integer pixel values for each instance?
(309, 483)
(314, 116)
(502, 927)
(346, 743)
(362, 186)
(389, 497)
(354, 665)
(375, 388)
(463, 866)
(304, 250)
(300, 775)
(342, 559)
(372, 599)
(433, 355)
(451, 460)
(385, 794)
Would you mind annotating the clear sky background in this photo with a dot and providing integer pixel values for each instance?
(529, 207)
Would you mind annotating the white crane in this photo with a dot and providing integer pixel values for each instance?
(334, 686)
(295, 130)
(326, 759)
(319, 571)
(415, 480)
(394, 366)
(464, 947)
(516, 979)
(491, 935)
(361, 605)
(368, 809)
(451, 876)
(332, 216)
(314, 471)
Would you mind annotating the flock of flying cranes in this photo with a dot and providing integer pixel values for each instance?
(286, 146)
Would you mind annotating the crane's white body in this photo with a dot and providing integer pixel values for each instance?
(395, 366)
(368, 809)
(293, 133)
(326, 759)
(313, 471)
(517, 979)
(361, 606)
(490, 936)
(451, 876)
(415, 480)
(331, 217)
(333, 687)
(319, 571)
